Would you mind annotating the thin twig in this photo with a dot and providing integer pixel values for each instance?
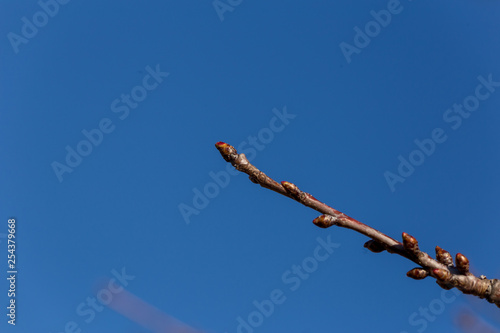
(442, 269)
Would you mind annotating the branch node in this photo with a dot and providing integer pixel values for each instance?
(494, 295)
(445, 286)
(253, 179)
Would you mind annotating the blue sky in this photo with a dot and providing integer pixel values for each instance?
(110, 112)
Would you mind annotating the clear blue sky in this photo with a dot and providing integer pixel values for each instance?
(109, 113)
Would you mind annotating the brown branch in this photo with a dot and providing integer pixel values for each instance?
(442, 269)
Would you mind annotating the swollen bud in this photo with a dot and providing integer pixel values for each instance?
(220, 144)
(410, 243)
(443, 256)
(462, 263)
(417, 273)
(292, 189)
(374, 246)
(226, 150)
(441, 274)
(324, 221)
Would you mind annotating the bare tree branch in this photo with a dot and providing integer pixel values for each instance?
(442, 269)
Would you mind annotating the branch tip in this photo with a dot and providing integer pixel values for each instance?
(220, 144)
(227, 151)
